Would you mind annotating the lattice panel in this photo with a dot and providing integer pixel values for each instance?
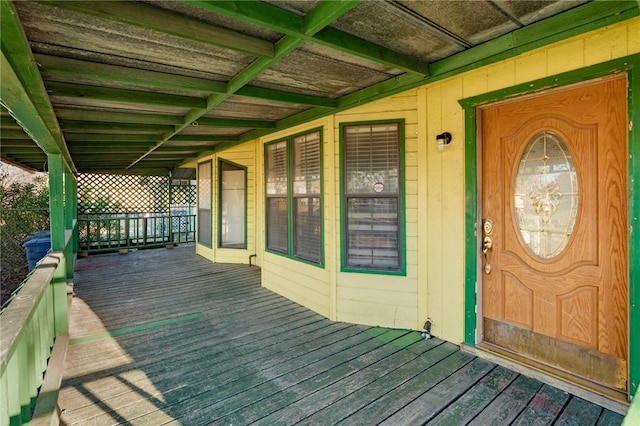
(183, 195)
(107, 194)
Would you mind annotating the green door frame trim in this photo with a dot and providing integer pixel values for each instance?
(630, 65)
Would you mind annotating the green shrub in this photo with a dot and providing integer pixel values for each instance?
(24, 209)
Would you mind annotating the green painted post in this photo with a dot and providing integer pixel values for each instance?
(4, 396)
(60, 313)
(471, 219)
(71, 210)
(56, 201)
(24, 377)
(170, 189)
(56, 211)
(12, 375)
(634, 249)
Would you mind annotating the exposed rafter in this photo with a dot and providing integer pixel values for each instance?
(276, 19)
(117, 117)
(23, 93)
(313, 23)
(121, 95)
(56, 68)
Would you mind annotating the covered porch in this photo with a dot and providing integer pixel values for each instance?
(166, 337)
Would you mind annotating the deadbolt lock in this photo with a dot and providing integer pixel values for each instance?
(488, 227)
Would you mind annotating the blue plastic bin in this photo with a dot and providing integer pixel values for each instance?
(37, 247)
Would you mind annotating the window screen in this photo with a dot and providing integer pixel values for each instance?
(204, 203)
(232, 211)
(372, 197)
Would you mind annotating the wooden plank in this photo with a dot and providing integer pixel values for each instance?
(399, 397)
(250, 349)
(506, 407)
(544, 407)
(206, 396)
(428, 405)
(190, 351)
(540, 374)
(46, 410)
(281, 375)
(610, 418)
(335, 377)
(316, 410)
(475, 399)
(579, 412)
(107, 358)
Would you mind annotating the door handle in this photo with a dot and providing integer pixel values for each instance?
(487, 245)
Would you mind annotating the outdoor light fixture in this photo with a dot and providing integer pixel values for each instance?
(443, 140)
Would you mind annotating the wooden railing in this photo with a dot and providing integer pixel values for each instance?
(35, 321)
(112, 233)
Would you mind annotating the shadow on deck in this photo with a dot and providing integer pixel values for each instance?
(166, 337)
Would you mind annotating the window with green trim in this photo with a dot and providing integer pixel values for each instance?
(204, 203)
(232, 218)
(372, 197)
(293, 175)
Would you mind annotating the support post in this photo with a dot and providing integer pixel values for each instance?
(57, 225)
(170, 189)
(71, 213)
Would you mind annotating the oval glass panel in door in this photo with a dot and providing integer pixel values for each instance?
(546, 195)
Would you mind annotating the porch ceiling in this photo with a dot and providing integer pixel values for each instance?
(143, 87)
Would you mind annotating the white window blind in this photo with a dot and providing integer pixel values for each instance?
(294, 210)
(307, 218)
(277, 197)
(371, 161)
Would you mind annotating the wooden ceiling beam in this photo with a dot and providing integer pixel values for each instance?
(109, 94)
(63, 69)
(78, 114)
(314, 22)
(23, 93)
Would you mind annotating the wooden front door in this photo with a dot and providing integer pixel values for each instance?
(554, 230)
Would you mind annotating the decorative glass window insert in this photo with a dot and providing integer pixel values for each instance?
(371, 155)
(546, 195)
(204, 203)
(232, 214)
(293, 169)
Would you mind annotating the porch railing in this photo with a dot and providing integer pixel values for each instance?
(116, 232)
(32, 324)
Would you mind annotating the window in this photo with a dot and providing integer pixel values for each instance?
(204, 203)
(372, 197)
(232, 212)
(293, 170)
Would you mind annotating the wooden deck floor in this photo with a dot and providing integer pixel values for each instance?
(166, 337)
